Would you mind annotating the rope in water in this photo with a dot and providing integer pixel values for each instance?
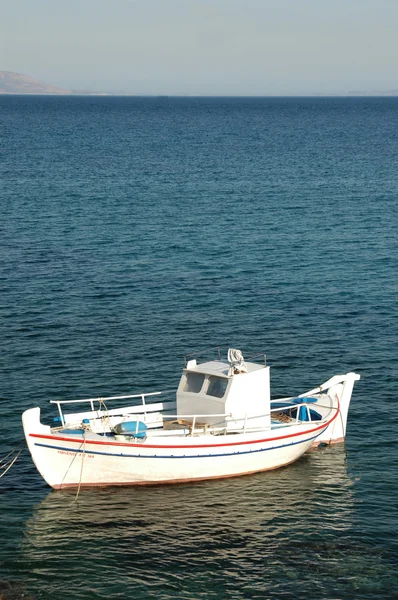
(7, 461)
(81, 467)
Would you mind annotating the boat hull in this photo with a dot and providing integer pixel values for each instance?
(85, 460)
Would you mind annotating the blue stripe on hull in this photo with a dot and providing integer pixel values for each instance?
(79, 450)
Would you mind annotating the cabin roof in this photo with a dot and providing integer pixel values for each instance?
(221, 368)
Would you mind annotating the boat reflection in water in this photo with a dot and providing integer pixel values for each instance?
(254, 533)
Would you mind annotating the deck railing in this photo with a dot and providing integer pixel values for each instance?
(102, 401)
(226, 419)
(198, 421)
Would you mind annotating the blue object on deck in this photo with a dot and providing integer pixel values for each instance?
(315, 416)
(291, 408)
(307, 400)
(136, 429)
(303, 413)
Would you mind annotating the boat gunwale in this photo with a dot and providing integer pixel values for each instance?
(87, 441)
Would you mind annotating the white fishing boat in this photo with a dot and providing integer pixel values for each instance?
(220, 423)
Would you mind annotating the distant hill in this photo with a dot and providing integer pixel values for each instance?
(15, 83)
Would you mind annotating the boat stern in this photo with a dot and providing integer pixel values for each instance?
(340, 392)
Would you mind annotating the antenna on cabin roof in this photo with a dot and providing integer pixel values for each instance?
(236, 362)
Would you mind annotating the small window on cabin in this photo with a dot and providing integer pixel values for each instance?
(193, 382)
(217, 386)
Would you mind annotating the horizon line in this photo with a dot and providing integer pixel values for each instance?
(132, 95)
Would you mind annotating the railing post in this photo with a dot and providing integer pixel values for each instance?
(60, 413)
(193, 424)
(244, 426)
(144, 405)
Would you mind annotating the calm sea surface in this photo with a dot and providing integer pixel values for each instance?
(136, 229)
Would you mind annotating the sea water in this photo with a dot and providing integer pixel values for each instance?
(135, 230)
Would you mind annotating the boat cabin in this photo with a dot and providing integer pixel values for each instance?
(216, 388)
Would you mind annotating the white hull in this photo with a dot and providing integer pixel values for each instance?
(70, 461)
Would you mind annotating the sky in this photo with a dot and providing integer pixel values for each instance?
(203, 47)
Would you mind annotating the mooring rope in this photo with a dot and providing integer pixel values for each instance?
(81, 467)
(6, 462)
(341, 416)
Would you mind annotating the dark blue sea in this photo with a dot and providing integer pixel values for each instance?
(135, 230)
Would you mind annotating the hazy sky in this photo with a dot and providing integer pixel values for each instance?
(243, 47)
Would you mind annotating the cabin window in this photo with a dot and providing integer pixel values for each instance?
(193, 382)
(217, 386)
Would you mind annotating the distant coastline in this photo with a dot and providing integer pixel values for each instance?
(16, 84)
